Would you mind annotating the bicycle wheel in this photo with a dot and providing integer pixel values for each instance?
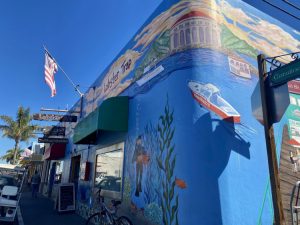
(94, 219)
(123, 220)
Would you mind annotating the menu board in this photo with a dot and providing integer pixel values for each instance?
(66, 197)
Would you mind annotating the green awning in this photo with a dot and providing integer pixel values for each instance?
(111, 115)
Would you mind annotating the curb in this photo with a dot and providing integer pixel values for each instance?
(20, 218)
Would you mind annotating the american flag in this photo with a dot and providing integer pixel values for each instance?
(50, 70)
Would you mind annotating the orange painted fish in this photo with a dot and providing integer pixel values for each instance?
(180, 183)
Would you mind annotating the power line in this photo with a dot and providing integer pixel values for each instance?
(291, 4)
(277, 7)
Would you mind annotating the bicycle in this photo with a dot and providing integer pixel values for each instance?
(107, 216)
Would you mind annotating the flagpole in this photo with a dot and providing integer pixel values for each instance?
(75, 86)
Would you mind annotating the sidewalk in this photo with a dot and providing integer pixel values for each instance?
(40, 211)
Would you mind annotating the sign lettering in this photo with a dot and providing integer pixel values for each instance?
(55, 131)
(285, 73)
(52, 140)
(55, 117)
(113, 78)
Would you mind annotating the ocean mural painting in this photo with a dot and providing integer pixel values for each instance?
(194, 154)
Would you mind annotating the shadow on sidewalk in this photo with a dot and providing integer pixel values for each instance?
(37, 211)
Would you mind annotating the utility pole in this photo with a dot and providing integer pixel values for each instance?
(270, 144)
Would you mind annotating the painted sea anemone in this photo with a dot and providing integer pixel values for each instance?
(153, 213)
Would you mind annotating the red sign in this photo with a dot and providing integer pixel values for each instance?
(55, 151)
(294, 86)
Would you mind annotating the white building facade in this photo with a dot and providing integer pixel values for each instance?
(195, 30)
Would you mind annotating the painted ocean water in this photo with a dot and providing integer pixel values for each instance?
(209, 148)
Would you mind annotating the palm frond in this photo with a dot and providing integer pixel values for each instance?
(7, 119)
(18, 130)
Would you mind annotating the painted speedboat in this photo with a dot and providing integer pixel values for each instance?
(208, 95)
(239, 68)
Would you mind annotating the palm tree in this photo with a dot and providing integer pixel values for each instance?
(18, 130)
(9, 156)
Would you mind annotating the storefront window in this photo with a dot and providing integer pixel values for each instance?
(109, 170)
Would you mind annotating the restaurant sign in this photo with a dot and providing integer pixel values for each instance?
(53, 140)
(54, 117)
(55, 131)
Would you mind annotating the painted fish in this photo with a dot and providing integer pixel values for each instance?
(180, 183)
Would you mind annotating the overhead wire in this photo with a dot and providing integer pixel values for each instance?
(292, 4)
(277, 7)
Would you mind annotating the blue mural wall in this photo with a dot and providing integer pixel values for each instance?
(194, 153)
(219, 165)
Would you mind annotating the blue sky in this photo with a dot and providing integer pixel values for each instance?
(84, 37)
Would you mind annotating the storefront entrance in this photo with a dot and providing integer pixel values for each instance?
(75, 169)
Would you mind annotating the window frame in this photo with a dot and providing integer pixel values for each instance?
(111, 148)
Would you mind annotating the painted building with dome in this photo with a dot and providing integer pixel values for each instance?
(195, 30)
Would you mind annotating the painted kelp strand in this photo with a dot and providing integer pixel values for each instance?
(153, 181)
(166, 161)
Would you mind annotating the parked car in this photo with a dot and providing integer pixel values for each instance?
(8, 198)
(110, 183)
(99, 177)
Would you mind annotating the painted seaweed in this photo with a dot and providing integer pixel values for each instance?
(128, 156)
(166, 162)
(153, 175)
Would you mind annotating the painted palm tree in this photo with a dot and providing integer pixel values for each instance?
(9, 156)
(18, 130)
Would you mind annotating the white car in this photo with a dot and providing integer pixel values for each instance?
(8, 203)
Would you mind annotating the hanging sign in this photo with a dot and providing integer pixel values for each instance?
(52, 140)
(54, 117)
(43, 128)
(285, 73)
(277, 99)
(55, 131)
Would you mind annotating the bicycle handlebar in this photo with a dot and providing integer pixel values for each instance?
(114, 202)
